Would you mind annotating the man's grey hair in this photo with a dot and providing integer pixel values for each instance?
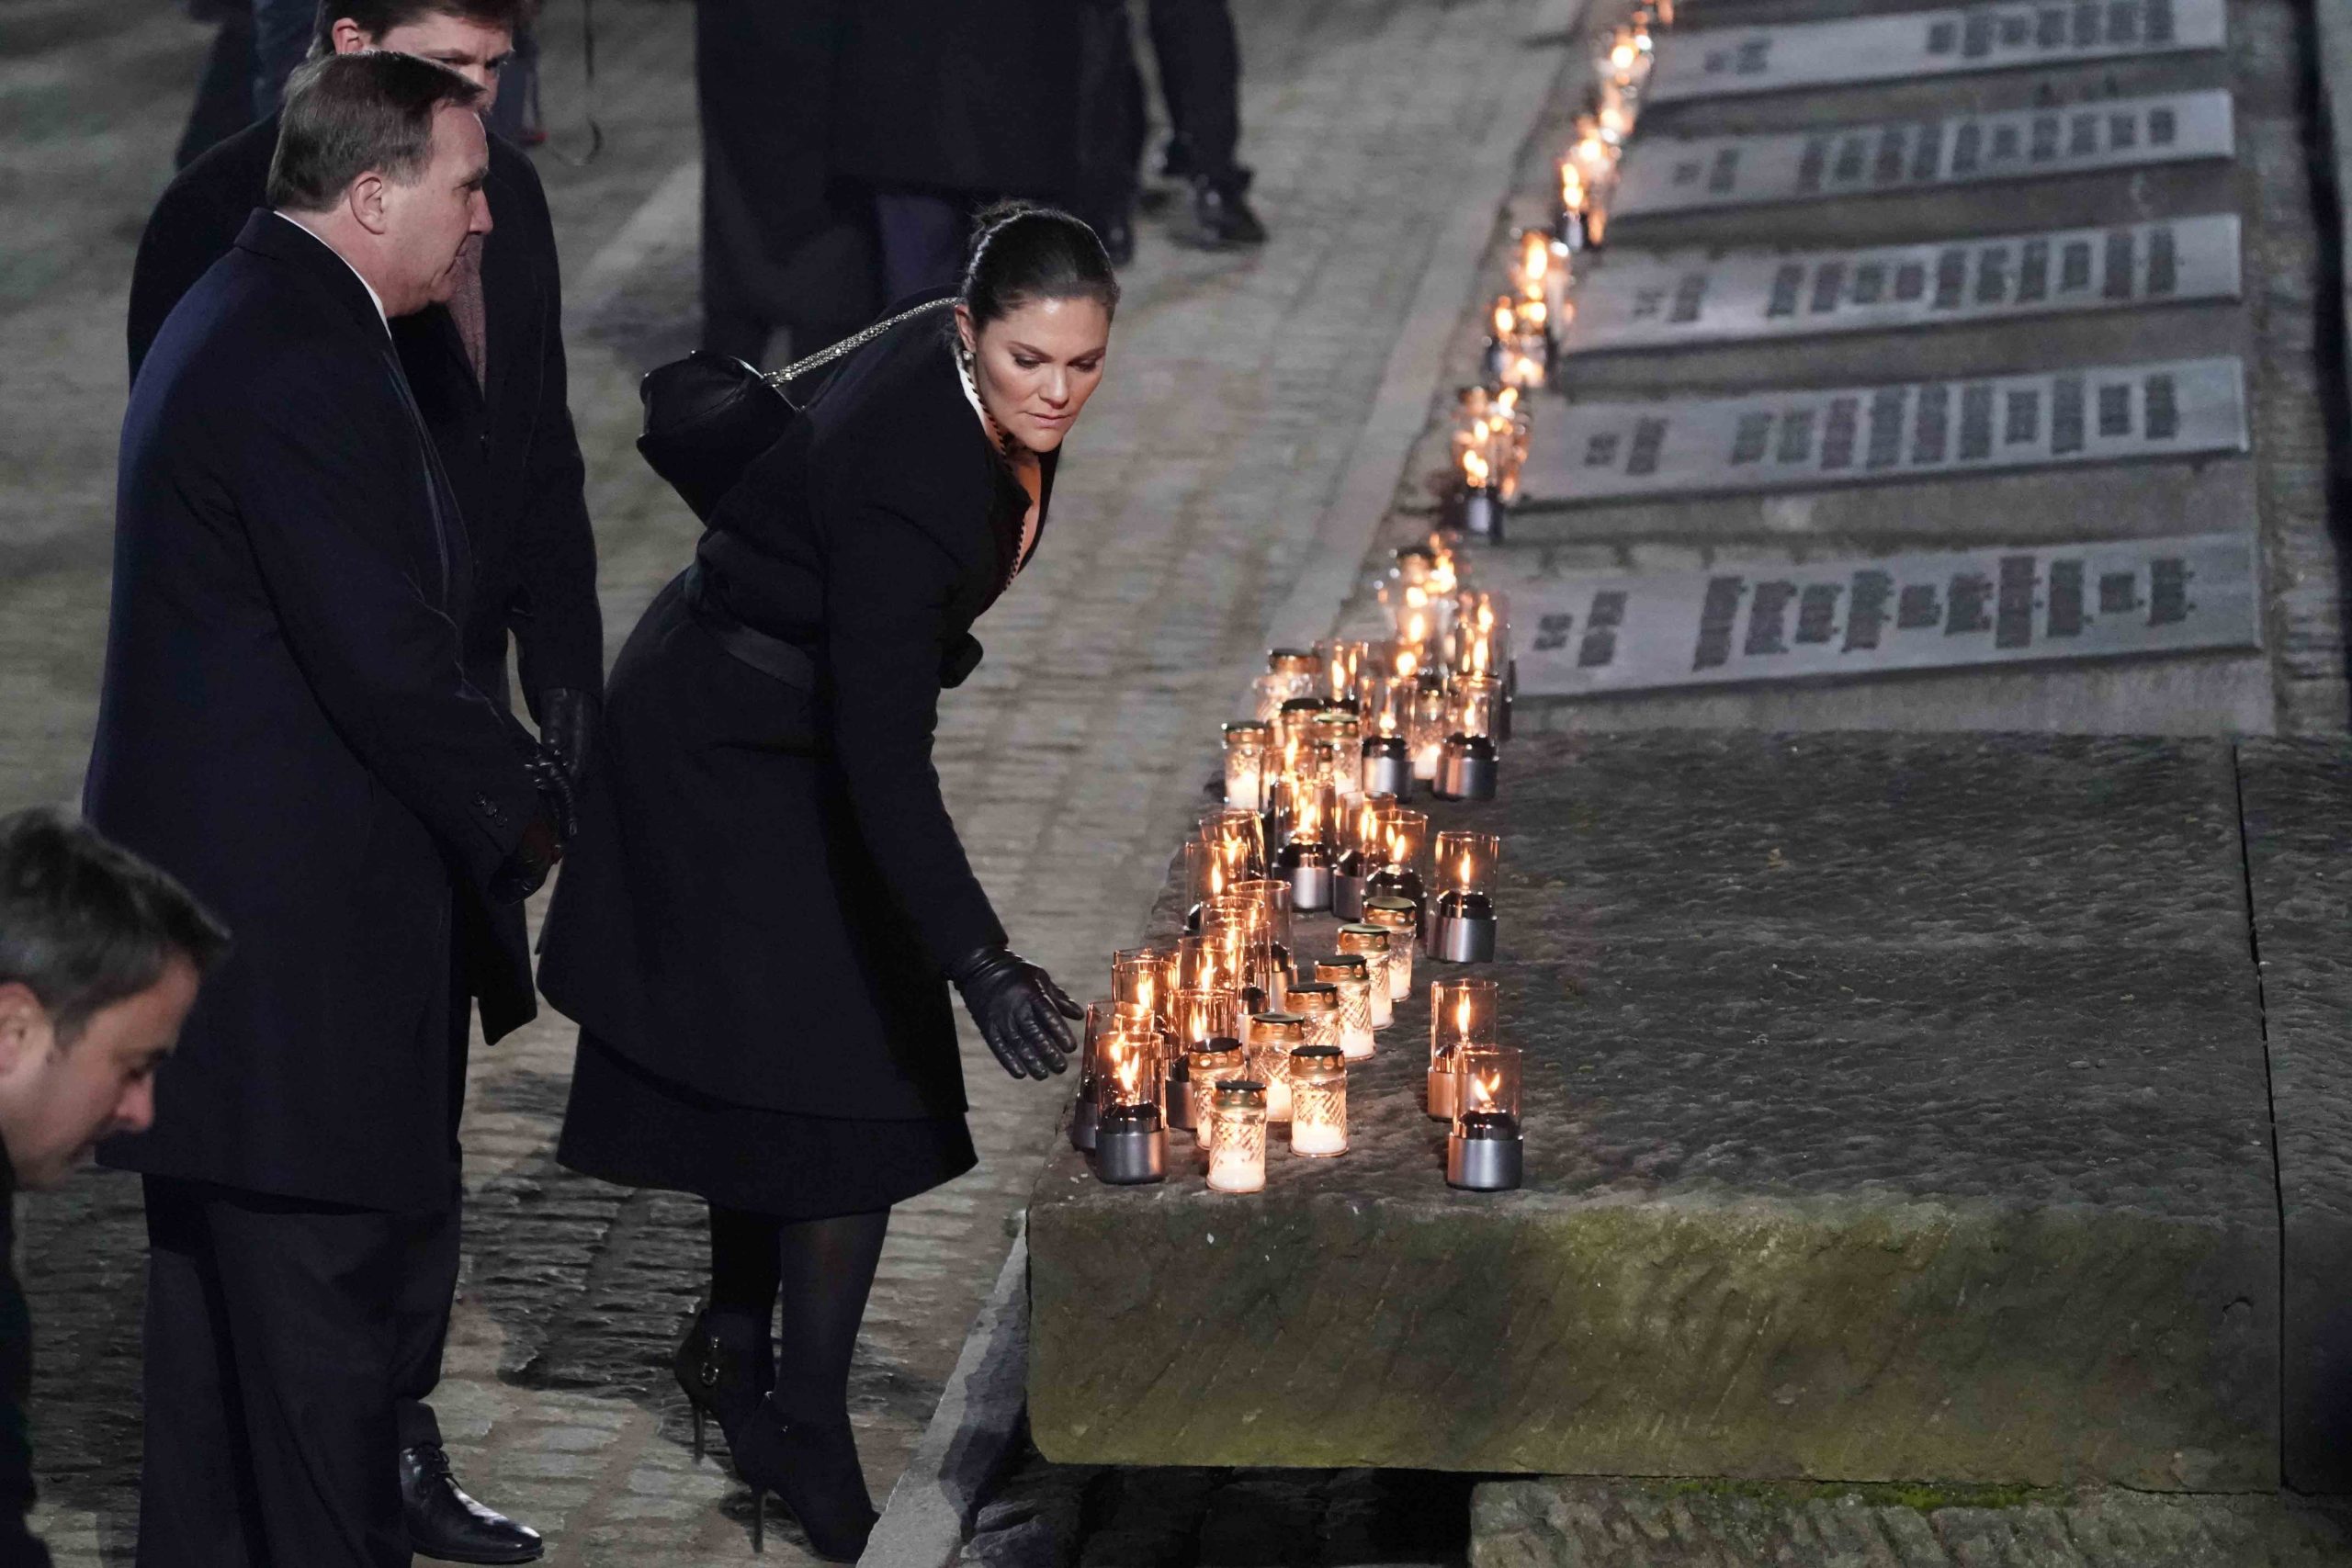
(352, 114)
(85, 925)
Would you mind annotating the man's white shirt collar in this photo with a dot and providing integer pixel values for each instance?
(373, 297)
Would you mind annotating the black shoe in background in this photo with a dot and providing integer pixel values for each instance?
(1221, 218)
(444, 1523)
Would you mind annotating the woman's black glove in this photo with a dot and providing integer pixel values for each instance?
(1019, 1009)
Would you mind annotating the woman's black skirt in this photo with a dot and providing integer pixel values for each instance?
(635, 1128)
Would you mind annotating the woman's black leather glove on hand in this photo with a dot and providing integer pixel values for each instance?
(1019, 1009)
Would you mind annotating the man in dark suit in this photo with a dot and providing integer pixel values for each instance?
(287, 727)
(488, 371)
(99, 959)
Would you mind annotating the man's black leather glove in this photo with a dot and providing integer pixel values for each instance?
(553, 782)
(1019, 1009)
(571, 722)
(524, 871)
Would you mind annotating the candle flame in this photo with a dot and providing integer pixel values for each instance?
(1571, 188)
(1478, 657)
(1465, 870)
(1475, 469)
(1483, 1088)
(1462, 1017)
(1502, 317)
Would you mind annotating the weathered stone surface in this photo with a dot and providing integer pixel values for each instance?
(1564, 1523)
(1896, 1108)
(2297, 805)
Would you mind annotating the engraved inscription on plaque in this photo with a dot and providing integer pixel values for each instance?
(1720, 61)
(1805, 439)
(1870, 617)
(1740, 294)
(1670, 175)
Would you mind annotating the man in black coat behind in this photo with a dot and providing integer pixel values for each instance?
(488, 371)
(287, 728)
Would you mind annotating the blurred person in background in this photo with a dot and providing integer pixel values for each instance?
(100, 956)
(286, 724)
(1200, 78)
(944, 106)
(787, 246)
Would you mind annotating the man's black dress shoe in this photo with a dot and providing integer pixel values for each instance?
(444, 1523)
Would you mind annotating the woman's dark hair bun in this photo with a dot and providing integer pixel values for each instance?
(1022, 253)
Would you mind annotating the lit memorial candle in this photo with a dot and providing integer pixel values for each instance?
(1102, 1020)
(1359, 846)
(1400, 918)
(1353, 977)
(1298, 667)
(1370, 943)
(1462, 928)
(1461, 1018)
(1130, 1144)
(1485, 1153)
(1205, 1016)
(1237, 1146)
(1404, 835)
(1426, 735)
(1273, 1037)
(1385, 709)
(1315, 1003)
(1206, 1067)
(1274, 899)
(1338, 740)
(1319, 1101)
(1466, 758)
(1246, 744)
(1305, 861)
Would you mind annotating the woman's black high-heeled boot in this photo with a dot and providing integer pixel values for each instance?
(814, 1469)
(725, 1365)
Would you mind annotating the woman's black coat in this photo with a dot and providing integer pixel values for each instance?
(767, 888)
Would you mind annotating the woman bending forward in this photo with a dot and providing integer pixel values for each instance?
(768, 892)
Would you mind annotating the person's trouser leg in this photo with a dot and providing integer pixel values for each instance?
(305, 1307)
(430, 1249)
(196, 1501)
(1199, 75)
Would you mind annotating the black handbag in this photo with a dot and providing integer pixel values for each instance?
(707, 417)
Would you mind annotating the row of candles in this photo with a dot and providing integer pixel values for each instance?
(1528, 319)
(1232, 1031)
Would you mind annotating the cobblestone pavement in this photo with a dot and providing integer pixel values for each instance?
(1072, 758)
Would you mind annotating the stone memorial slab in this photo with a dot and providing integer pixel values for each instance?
(1726, 61)
(1663, 174)
(1896, 1108)
(1591, 636)
(1807, 438)
(1630, 301)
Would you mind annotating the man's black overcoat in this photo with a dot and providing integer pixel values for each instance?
(287, 728)
(767, 887)
(506, 443)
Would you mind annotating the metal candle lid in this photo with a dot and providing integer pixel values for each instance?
(1363, 941)
(1312, 1065)
(1204, 1062)
(1283, 1028)
(1292, 661)
(1394, 914)
(1239, 1094)
(1344, 966)
(1241, 728)
(1312, 997)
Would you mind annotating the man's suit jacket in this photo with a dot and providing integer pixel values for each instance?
(506, 443)
(287, 728)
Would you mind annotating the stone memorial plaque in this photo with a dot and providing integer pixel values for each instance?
(1687, 175)
(1724, 61)
(1911, 612)
(1631, 301)
(1806, 439)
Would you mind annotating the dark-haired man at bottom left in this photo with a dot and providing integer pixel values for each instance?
(287, 727)
(100, 956)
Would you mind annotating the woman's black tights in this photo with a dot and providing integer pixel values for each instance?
(818, 1272)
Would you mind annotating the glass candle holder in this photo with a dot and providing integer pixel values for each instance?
(1274, 899)
(1198, 965)
(1206, 1014)
(1370, 943)
(1462, 922)
(1404, 834)
(1140, 976)
(1273, 1037)
(1246, 742)
(1267, 694)
(1425, 734)
(1353, 977)
(1240, 833)
(1384, 711)
(1485, 1152)
(1206, 1067)
(1339, 739)
(1295, 722)
(1466, 760)
(1461, 1018)
(1130, 1143)
(1102, 1019)
(1401, 919)
(1317, 1003)
(1358, 843)
(1319, 1101)
(1305, 861)
(1297, 665)
(1237, 1143)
